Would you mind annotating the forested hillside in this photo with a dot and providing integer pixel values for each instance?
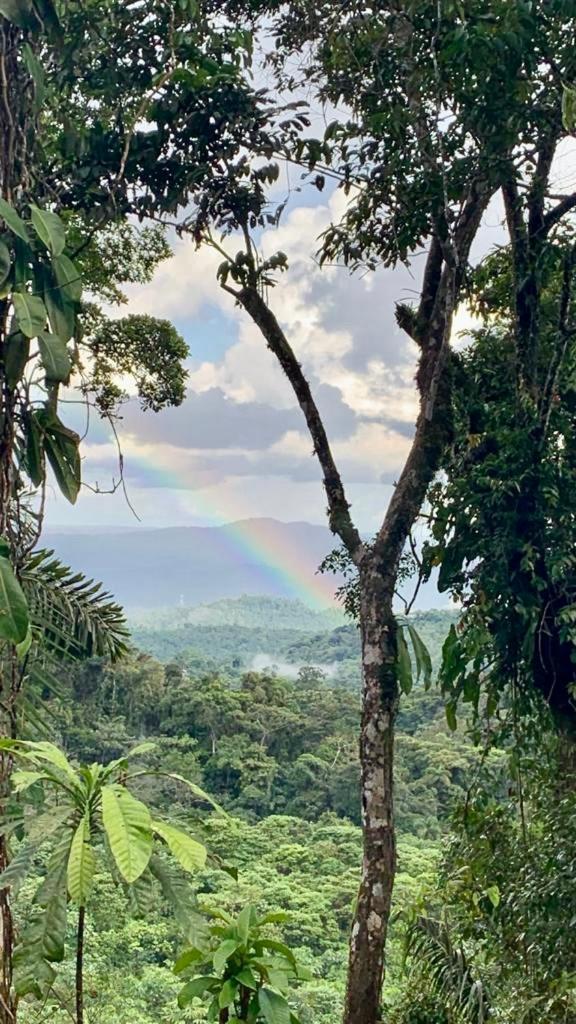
(280, 756)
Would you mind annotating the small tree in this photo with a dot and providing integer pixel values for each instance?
(86, 809)
(247, 974)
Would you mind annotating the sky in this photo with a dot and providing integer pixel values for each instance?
(238, 448)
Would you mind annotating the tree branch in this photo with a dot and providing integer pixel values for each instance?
(338, 507)
(557, 212)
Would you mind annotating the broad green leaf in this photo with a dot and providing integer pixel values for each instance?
(16, 353)
(197, 791)
(13, 875)
(274, 1007)
(49, 931)
(55, 358)
(451, 715)
(62, 449)
(403, 663)
(5, 262)
(275, 916)
(186, 959)
(143, 895)
(50, 229)
(142, 748)
(32, 976)
(243, 922)
(421, 655)
(30, 313)
(14, 620)
(61, 311)
(81, 864)
(225, 950)
(228, 993)
(43, 826)
(190, 854)
(281, 948)
(22, 780)
(68, 277)
(36, 72)
(247, 978)
(178, 892)
(493, 894)
(7, 212)
(127, 823)
(193, 989)
(46, 751)
(34, 457)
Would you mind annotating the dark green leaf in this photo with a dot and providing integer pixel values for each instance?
(30, 313)
(68, 277)
(421, 655)
(225, 950)
(14, 618)
(55, 358)
(62, 448)
(51, 230)
(33, 458)
(403, 663)
(16, 353)
(274, 1007)
(228, 993)
(61, 311)
(7, 212)
(36, 72)
(18, 868)
(194, 988)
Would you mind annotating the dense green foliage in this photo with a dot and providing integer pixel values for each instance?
(281, 756)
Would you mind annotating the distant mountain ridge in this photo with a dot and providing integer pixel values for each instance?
(191, 565)
(188, 566)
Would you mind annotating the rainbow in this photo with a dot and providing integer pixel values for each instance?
(283, 565)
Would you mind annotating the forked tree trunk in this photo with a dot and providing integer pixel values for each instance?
(429, 326)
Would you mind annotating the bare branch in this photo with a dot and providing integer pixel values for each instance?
(338, 507)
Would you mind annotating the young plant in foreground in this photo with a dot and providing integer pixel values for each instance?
(246, 974)
(83, 806)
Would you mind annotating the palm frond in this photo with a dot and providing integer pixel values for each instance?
(72, 615)
(447, 969)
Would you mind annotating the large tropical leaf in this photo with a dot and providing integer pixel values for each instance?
(81, 863)
(179, 894)
(30, 313)
(127, 822)
(190, 854)
(18, 868)
(14, 617)
(50, 229)
(7, 212)
(42, 939)
(55, 358)
(274, 1007)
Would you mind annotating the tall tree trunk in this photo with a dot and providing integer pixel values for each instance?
(379, 709)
